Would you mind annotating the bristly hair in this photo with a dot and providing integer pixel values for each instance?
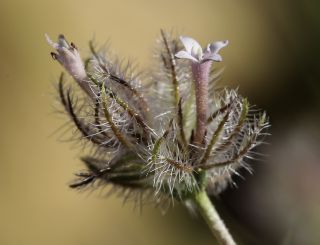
(143, 130)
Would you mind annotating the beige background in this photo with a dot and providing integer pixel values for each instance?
(36, 206)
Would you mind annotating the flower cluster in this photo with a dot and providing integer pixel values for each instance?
(169, 135)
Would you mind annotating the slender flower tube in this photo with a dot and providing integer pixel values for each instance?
(69, 57)
(201, 64)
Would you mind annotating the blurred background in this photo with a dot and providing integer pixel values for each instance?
(273, 57)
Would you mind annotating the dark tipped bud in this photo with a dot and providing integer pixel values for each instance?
(53, 55)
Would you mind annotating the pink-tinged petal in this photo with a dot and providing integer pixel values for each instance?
(216, 46)
(190, 44)
(185, 55)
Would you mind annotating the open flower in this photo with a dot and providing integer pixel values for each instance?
(201, 65)
(194, 52)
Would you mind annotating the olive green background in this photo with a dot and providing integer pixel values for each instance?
(272, 57)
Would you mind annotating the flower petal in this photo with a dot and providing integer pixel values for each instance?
(216, 46)
(50, 42)
(185, 55)
(63, 42)
(190, 44)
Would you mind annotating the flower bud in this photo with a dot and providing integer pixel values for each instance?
(69, 57)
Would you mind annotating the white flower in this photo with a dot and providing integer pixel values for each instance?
(194, 52)
(69, 57)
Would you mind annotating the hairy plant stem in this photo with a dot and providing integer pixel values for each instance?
(212, 218)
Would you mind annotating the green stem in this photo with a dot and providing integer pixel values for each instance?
(212, 218)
